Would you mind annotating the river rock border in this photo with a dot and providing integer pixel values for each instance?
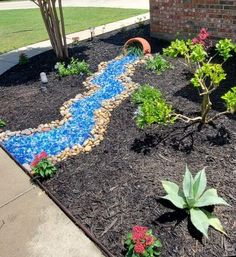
(101, 115)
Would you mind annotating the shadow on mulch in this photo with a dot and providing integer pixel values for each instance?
(180, 138)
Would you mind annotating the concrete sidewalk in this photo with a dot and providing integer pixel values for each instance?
(10, 59)
(134, 4)
(31, 225)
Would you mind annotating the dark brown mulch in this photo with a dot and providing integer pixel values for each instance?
(117, 185)
(23, 105)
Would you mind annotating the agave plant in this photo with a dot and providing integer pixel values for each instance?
(193, 198)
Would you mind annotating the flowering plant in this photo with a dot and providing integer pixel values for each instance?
(202, 38)
(38, 158)
(42, 166)
(142, 243)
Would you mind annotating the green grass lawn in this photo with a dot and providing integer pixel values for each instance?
(23, 27)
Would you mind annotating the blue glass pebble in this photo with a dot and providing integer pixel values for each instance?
(78, 129)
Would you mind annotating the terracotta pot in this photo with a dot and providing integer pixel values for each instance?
(143, 42)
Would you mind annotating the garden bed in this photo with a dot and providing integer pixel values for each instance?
(117, 185)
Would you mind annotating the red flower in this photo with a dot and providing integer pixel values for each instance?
(140, 229)
(149, 240)
(138, 233)
(139, 248)
(39, 158)
(201, 38)
(204, 31)
(195, 40)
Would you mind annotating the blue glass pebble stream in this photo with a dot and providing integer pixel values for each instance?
(78, 129)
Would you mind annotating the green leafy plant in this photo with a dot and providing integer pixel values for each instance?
(152, 107)
(142, 243)
(42, 166)
(75, 67)
(2, 123)
(207, 77)
(158, 64)
(193, 197)
(23, 59)
(225, 47)
(134, 49)
(230, 99)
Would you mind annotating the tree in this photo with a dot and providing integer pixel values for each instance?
(54, 23)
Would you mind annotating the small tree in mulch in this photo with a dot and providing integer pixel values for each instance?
(207, 77)
(54, 23)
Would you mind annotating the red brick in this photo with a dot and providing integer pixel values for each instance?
(169, 17)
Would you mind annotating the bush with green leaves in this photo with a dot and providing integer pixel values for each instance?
(23, 59)
(152, 107)
(194, 197)
(44, 168)
(207, 75)
(2, 123)
(158, 64)
(229, 98)
(75, 67)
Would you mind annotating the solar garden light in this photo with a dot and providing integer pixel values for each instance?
(92, 32)
(44, 82)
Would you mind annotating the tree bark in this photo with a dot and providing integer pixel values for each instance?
(206, 107)
(55, 27)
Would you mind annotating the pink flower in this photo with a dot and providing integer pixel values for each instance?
(203, 31)
(140, 229)
(203, 36)
(38, 158)
(149, 240)
(202, 42)
(139, 248)
(195, 40)
(138, 233)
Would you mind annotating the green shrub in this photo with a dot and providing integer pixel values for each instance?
(225, 47)
(193, 198)
(2, 123)
(75, 67)
(44, 168)
(152, 107)
(23, 59)
(230, 99)
(207, 76)
(158, 64)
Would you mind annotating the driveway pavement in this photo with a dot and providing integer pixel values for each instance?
(136, 4)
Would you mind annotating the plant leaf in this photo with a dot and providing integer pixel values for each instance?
(199, 183)
(177, 200)
(214, 222)
(188, 184)
(170, 187)
(200, 220)
(210, 197)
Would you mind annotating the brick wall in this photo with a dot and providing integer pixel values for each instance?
(186, 17)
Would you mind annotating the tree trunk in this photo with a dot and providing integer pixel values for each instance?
(206, 107)
(55, 27)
